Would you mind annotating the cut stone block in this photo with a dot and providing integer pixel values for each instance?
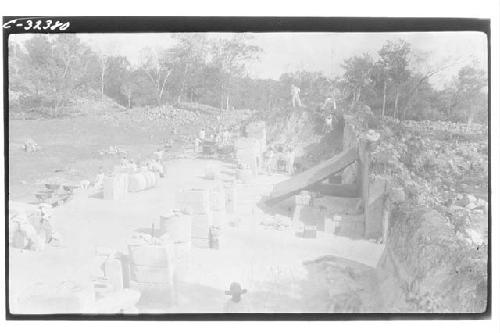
(248, 153)
(311, 216)
(195, 200)
(329, 226)
(114, 272)
(136, 182)
(176, 226)
(303, 199)
(115, 187)
(151, 255)
(217, 200)
(219, 218)
(182, 258)
(150, 179)
(200, 242)
(200, 225)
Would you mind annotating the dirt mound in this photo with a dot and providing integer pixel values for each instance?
(303, 130)
(433, 271)
(90, 104)
(440, 165)
(341, 286)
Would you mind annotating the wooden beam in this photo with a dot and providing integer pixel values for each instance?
(336, 190)
(312, 175)
(364, 178)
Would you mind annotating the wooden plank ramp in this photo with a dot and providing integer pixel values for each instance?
(312, 176)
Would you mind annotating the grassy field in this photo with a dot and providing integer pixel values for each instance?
(69, 150)
(70, 146)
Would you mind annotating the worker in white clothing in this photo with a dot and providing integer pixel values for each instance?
(329, 122)
(290, 155)
(202, 134)
(225, 137)
(295, 92)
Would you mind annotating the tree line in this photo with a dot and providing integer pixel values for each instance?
(47, 74)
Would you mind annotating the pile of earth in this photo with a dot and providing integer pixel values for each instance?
(426, 268)
(436, 252)
(90, 104)
(179, 123)
(338, 285)
(438, 165)
(303, 130)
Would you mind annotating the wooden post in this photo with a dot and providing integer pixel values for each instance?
(385, 219)
(364, 179)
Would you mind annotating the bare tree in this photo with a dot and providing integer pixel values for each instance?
(424, 71)
(157, 67)
(229, 58)
(395, 59)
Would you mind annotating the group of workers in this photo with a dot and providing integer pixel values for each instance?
(328, 109)
(279, 159)
(220, 136)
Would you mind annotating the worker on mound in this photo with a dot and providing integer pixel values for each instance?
(295, 93)
(236, 304)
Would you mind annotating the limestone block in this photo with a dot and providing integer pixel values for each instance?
(151, 255)
(195, 200)
(177, 226)
(200, 225)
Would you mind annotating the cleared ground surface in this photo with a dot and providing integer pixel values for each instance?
(269, 263)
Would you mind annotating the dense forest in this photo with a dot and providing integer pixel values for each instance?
(48, 73)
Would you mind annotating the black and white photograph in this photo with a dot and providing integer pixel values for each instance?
(246, 172)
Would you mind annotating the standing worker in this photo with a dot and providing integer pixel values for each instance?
(197, 142)
(290, 160)
(295, 91)
(268, 160)
(45, 221)
(329, 122)
(201, 135)
(225, 137)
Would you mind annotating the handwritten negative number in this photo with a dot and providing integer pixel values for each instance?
(48, 24)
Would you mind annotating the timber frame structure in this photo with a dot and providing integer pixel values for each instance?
(371, 195)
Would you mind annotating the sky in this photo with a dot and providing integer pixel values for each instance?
(324, 52)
